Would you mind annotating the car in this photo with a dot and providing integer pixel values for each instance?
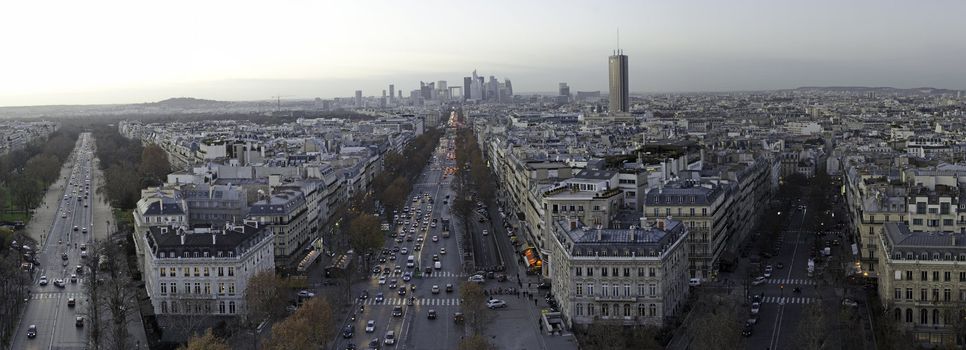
(306, 294)
(435, 239)
(79, 269)
(694, 282)
(59, 283)
(758, 280)
(753, 319)
(544, 285)
(747, 330)
(76, 228)
(376, 269)
(849, 302)
(390, 338)
(404, 251)
(431, 315)
(370, 326)
(398, 269)
(495, 304)
(364, 295)
(755, 307)
(442, 251)
(382, 259)
(348, 331)
(374, 343)
(485, 232)
(417, 248)
(780, 266)
(71, 302)
(392, 284)
(449, 288)
(435, 289)
(407, 276)
(458, 317)
(397, 311)
(766, 274)
(435, 257)
(382, 279)
(402, 291)
(476, 278)
(380, 297)
(63, 256)
(32, 331)
(43, 280)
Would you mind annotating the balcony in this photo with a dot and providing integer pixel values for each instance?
(615, 298)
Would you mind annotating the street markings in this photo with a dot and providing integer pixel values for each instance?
(441, 274)
(787, 300)
(417, 302)
(792, 281)
(52, 295)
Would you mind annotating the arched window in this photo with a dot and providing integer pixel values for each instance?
(898, 314)
(580, 309)
(617, 310)
(923, 316)
(590, 310)
(652, 310)
(935, 316)
(908, 315)
(627, 310)
(164, 307)
(641, 310)
(604, 310)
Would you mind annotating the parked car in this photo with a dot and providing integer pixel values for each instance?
(755, 308)
(476, 278)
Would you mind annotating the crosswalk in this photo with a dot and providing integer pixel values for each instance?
(787, 300)
(436, 273)
(417, 302)
(803, 281)
(40, 296)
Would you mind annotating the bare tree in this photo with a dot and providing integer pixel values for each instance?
(473, 305)
(715, 326)
(812, 329)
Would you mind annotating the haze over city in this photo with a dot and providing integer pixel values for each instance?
(96, 52)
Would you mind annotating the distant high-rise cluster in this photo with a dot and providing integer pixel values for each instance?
(619, 99)
(477, 88)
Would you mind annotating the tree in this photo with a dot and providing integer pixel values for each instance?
(154, 163)
(265, 297)
(207, 341)
(473, 305)
(95, 291)
(290, 334)
(317, 313)
(25, 192)
(715, 326)
(365, 235)
(475, 342)
(813, 328)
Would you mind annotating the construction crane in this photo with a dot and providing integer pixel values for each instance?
(278, 101)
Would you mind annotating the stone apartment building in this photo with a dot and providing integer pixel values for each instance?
(285, 214)
(204, 270)
(632, 276)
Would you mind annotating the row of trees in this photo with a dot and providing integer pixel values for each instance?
(111, 296)
(128, 166)
(13, 290)
(26, 172)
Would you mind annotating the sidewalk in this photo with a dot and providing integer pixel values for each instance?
(43, 218)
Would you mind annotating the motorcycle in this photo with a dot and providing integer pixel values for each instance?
(797, 290)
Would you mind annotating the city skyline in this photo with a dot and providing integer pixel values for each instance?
(252, 51)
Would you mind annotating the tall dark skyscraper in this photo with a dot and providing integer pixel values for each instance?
(619, 100)
(392, 93)
(467, 84)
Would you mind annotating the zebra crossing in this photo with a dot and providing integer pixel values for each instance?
(787, 300)
(803, 281)
(417, 302)
(435, 273)
(40, 296)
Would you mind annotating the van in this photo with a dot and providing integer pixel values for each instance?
(438, 265)
(411, 261)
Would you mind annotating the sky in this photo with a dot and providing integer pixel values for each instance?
(105, 51)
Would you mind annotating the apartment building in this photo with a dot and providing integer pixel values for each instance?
(285, 214)
(204, 270)
(922, 282)
(633, 276)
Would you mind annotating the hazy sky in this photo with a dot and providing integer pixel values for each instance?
(93, 51)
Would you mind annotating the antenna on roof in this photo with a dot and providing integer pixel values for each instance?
(618, 40)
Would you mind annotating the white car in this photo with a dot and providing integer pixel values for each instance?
(435, 239)
(382, 279)
(476, 278)
(495, 304)
(485, 232)
(370, 326)
(442, 251)
(758, 280)
(390, 338)
(755, 307)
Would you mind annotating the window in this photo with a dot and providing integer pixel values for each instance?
(627, 310)
(935, 274)
(231, 307)
(604, 310)
(898, 293)
(641, 311)
(164, 307)
(627, 272)
(579, 271)
(946, 294)
(221, 307)
(909, 274)
(922, 295)
(185, 270)
(590, 272)
(603, 272)
(616, 272)
(590, 310)
(627, 289)
(909, 293)
(221, 288)
(207, 287)
(221, 271)
(935, 294)
(909, 315)
(652, 289)
(580, 289)
(205, 273)
(925, 276)
(947, 276)
(616, 289)
(164, 288)
(917, 221)
(231, 271)
(640, 272)
(580, 309)
(590, 289)
(174, 288)
(164, 272)
(197, 288)
(603, 289)
(652, 310)
(651, 272)
(640, 289)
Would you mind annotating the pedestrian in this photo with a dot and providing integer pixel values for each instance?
(534, 301)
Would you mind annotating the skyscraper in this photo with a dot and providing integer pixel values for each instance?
(619, 101)
(467, 83)
(392, 93)
(563, 90)
(476, 87)
(358, 98)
